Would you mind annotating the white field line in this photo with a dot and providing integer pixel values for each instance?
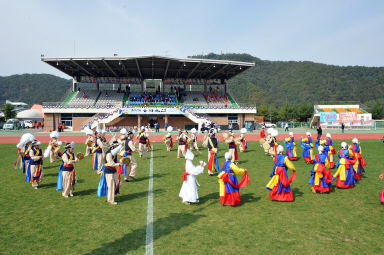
(149, 235)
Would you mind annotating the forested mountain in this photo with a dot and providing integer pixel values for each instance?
(33, 88)
(276, 82)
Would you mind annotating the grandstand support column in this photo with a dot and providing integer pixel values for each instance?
(161, 86)
(225, 88)
(205, 88)
(97, 86)
(165, 121)
(74, 84)
(185, 86)
(138, 122)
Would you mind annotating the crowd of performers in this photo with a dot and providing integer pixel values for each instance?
(348, 169)
(113, 158)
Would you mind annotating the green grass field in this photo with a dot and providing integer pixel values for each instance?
(43, 222)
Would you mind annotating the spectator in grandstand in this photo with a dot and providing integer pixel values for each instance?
(59, 127)
(84, 95)
(157, 127)
(286, 127)
(63, 126)
(106, 93)
(34, 124)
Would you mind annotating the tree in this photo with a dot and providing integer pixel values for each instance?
(9, 112)
(262, 110)
(304, 111)
(286, 112)
(377, 111)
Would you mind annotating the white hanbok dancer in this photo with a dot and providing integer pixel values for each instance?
(188, 191)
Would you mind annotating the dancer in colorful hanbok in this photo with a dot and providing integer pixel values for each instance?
(229, 186)
(35, 169)
(182, 139)
(382, 192)
(328, 147)
(243, 142)
(344, 174)
(168, 139)
(321, 176)
(232, 148)
(290, 145)
(213, 147)
(193, 137)
(127, 148)
(262, 136)
(279, 185)
(23, 148)
(109, 184)
(143, 142)
(307, 145)
(188, 191)
(360, 162)
(89, 142)
(66, 180)
(273, 143)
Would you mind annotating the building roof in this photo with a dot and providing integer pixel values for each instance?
(147, 67)
(29, 114)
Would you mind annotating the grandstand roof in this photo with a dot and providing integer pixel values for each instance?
(147, 67)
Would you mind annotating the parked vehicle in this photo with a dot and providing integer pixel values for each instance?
(12, 124)
(28, 124)
(270, 125)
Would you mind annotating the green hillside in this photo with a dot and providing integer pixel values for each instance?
(33, 88)
(275, 82)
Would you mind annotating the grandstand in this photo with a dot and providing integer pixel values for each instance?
(136, 91)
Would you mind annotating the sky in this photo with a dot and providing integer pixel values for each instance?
(342, 32)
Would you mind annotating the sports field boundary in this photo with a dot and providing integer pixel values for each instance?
(159, 138)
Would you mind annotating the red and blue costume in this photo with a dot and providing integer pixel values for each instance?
(360, 162)
(344, 174)
(328, 146)
(321, 175)
(290, 145)
(279, 185)
(307, 145)
(229, 186)
(213, 163)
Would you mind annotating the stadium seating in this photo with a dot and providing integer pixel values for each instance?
(194, 98)
(110, 97)
(217, 99)
(84, 98)
(151, 99)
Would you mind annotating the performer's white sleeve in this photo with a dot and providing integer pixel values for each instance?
(194, 170)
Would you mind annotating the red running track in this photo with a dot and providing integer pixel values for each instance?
(159, 138)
